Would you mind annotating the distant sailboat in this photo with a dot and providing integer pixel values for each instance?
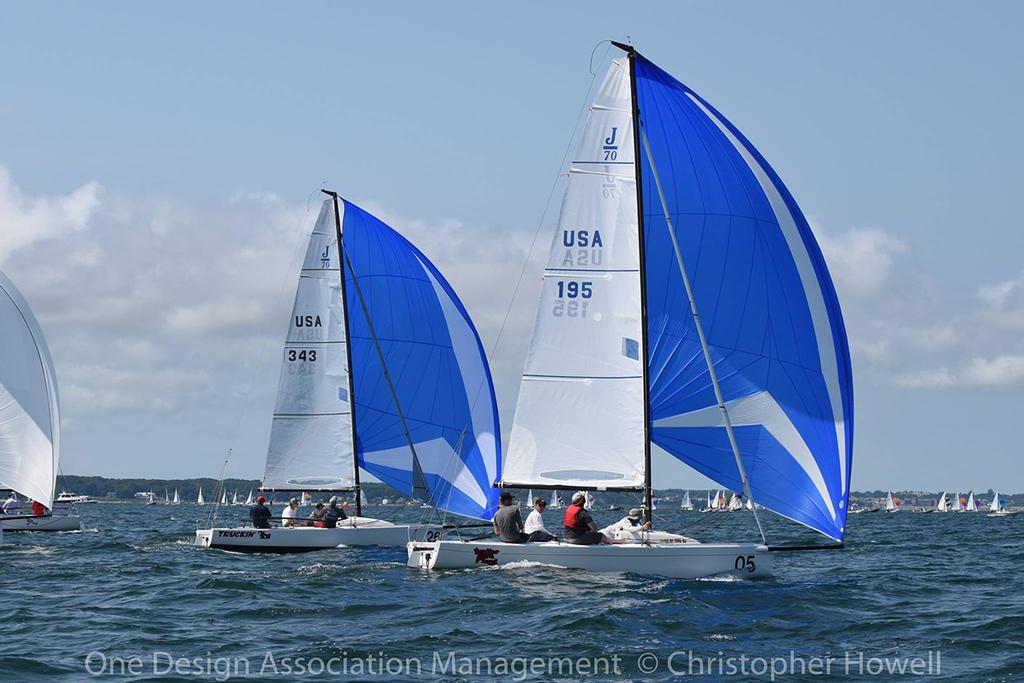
(176, 500)
(971, 505)
(363, 501)
(890, 504)
(686, 504)
(555, 502)
(199, 499)
(996, 508)
(529, 499)
(29, 416)
(224, 498)
(249, 499)
(942, 505)
(955, 505)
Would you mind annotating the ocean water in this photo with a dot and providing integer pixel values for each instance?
(130, 598)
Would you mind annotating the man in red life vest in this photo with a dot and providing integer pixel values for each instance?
(38, 509)
(580, 527)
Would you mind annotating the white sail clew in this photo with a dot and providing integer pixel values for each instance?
(311, 434)
(579, 419)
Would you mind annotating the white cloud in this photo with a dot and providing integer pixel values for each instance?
(1000, 370)
(861, 260)
(25, 220)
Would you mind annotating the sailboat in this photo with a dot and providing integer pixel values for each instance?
(972, 506)
(710, 505)
(635, 344)
(199, 499)
(942, 505)
(955, 505)
(177, 499)
(996, 508)
(555, 503)
(249, 500)
(224, 498)
(383, 372)
(29, 417)
(686, 504)
(362, 498)
(529, 500)
(735, 503)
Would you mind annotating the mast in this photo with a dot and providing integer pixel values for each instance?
(645, 370)
(419, 482)
(348, 356)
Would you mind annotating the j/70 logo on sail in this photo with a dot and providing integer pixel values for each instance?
(325, 258)
(611, 150)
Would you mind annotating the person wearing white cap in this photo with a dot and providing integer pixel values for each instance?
(288, 514)
(629, 527)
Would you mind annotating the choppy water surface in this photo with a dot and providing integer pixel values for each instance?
(134, 588)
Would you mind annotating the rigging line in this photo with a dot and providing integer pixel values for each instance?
(247, 394)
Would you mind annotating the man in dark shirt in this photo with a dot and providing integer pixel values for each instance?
(260, 514)
(333, 514)
(508, 521)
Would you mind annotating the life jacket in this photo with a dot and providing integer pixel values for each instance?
(572, 520)
(38, 509)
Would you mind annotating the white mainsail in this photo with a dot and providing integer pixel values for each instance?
(971, 505)
(889, 504)
(942, 505)
(176, 500)
(199, 499)
(686, 504)
(554, 501)
(311, 434)
(224, 498)
(579, 419)
(954, 505)
(716, 502)
(249, 499)
(29, 402)
(363, 501)
(994, 505)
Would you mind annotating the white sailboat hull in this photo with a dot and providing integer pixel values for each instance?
(674, 560)
(1003, 513)
(29, 523)
(354, 531)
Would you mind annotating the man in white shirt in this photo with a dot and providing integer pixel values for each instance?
(11, 505)
(534, 526)
(288, 514)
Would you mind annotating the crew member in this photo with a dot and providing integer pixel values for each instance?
(508, 520)
(260, 514)
(288, 514)
(580, 527)
(535, 523)
(333, 514)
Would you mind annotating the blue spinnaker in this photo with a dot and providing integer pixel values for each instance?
(437, 367)
(768, 307)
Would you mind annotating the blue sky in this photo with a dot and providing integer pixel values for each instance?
(156, 165)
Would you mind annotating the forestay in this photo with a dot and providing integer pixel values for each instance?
(768, 307)
(311, 435)
(29, 403)
(579, 420)
(437, 368)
